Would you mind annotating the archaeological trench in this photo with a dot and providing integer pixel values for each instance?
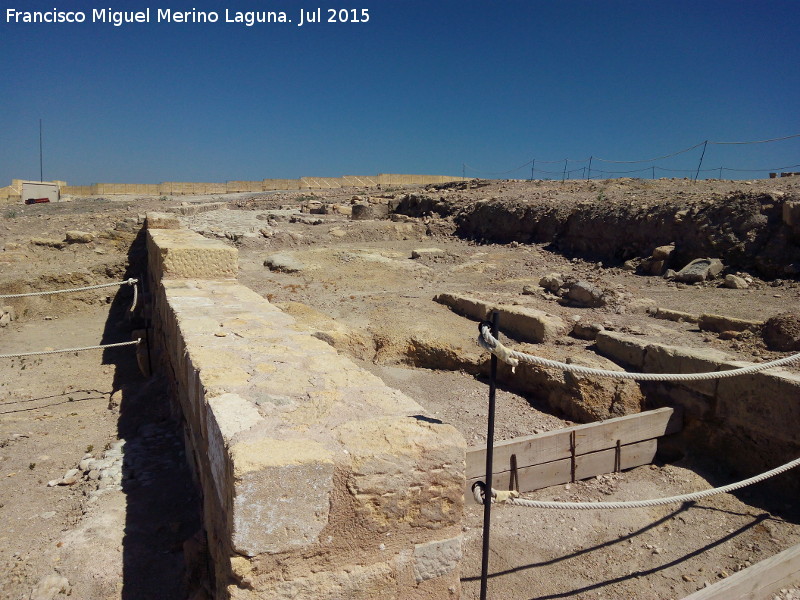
(319, 480)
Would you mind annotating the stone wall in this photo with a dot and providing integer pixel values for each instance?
(318, 480)
(172, 188)
(748, 423)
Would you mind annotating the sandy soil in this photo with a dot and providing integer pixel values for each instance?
(355, 284)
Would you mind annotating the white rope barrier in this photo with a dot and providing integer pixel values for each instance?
(66, 350)
(513, 358)
(132, 281)
(512, 497)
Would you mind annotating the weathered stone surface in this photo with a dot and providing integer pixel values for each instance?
(586, 331)
(78, 237)
(583, 293)
(283, 261)
(661, 358)
(48, 242)
(675, 315)
(552, 282)
(281, 494)
(625, 349)
(354, 582)
(196, 208)
(405, 471)
(160, 220)
(700, 269)
(767, 402)
(465, 305)
(523, 323)
(735, 282)
(720, 323)
(227, 415)
(587, 398)
(438, 558)
(426, 252)
(531, 325)
(177, 253)
(663, 253)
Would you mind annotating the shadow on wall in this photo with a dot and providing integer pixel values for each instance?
(163, 520)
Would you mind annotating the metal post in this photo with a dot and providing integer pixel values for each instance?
(589, 174)
(487, 498)
(564, 174)
(701, 160)
(41, 164)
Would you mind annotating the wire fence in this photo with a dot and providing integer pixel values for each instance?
(595, 167)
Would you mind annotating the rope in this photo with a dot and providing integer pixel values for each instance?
(65, 350)
(512, 497)
(130, 281)
(513, 358)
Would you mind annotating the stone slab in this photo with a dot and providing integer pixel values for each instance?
(624, 349)
(178, 253)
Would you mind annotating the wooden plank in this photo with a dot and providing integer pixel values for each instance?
(762, 580)
(557, 472)
(555, 445)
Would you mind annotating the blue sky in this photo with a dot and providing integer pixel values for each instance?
(422, 87)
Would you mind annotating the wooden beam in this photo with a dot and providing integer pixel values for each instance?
(560, 471)
(555, 445)
(762, 580)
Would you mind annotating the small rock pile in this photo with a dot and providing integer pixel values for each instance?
(105, 471)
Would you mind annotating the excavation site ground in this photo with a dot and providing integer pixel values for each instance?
(97, 498)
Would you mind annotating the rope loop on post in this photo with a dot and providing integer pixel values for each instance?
(513, 358)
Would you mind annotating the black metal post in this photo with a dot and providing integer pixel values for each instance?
(700, 164)
(41, 163)
(487, 499)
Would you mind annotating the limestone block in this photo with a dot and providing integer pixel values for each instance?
(675, 315)
(427, 252)
(661, 358)
(285, 262)
(465, 305)
(438, 558)
(227, 415)
(178, 253)
(405, 471)
(622, 348)
(354, 582)
(700, 269)
(531, 325)
(282, 492)
(160, 220)
(78, 237)
(720, 323)
(767, 402)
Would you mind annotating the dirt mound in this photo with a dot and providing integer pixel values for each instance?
(782, 332)
(744, 228)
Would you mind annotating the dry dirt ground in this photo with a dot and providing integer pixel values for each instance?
(354, 284)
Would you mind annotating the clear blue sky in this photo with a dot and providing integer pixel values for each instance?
(422, 87)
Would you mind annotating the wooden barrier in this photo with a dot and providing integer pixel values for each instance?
(762, 580)
(555, 457)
